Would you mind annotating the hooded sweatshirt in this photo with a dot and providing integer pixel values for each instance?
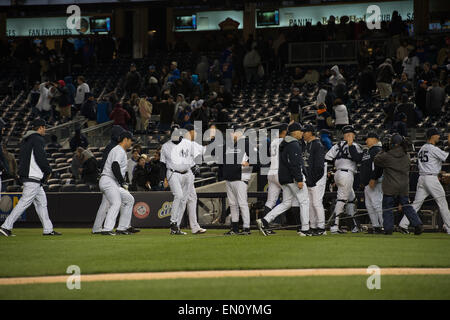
(395, 164)
(33, 164)
(336, 79)
(291, 161)
(90, 168)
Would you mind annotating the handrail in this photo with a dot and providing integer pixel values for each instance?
(98, 126)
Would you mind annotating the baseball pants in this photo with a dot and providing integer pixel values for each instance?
(178, 183)
(191, 204)
(237, 199)
(316, 210)
(374, 204)
(33, 193)
(291, 191)
(345, 195)
(273, 191)
(116, 196)
(430, 185)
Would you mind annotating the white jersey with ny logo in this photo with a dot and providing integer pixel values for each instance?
(341, 155)
(430, 159)
(178, 157)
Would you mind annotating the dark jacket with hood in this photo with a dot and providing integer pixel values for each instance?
(90, 172)
(71, 88)
(367, 168)
(314, 153)
(115, 133)
(290, 161)
(395, 164)
(33, 164)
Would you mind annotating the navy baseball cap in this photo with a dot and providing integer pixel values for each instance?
(189, 127)
(283, 127)
(396, 139)
(295, 127)
(309, 127)
(373, 134)
(348, 129)
(38, 123)
(432, 132)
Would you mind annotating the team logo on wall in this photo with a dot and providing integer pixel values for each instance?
(166, 210)
(141, 210)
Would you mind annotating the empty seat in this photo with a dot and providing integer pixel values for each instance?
(54, 188)
(66, 176)
(82, 188)
(68, 188)
(13, 188)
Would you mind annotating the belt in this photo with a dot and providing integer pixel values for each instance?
(429, 174)
(180, 172)
(345, 170)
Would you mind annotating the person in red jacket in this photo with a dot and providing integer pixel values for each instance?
(120, 116)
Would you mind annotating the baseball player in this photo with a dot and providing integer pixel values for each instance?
(33, 171)
(112, 184)
(274, 187)
(345, 154)
(290, 175)
(197, 152)
(104, 205)
(373, 194)
(236, 171)
(176, 155)
(316, 179)
(3, 163)
(430, 159)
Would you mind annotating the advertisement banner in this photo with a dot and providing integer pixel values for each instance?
(7, 203)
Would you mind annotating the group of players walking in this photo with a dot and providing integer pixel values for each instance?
(298, 169)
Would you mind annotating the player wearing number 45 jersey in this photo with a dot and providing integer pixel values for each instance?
(430, 159)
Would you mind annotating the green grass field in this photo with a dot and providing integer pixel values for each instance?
(31, 254)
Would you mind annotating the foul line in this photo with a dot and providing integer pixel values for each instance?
(224, 274)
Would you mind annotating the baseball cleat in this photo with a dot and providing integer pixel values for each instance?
(178, 232)
(418, 230)
(200, 231)
(133, 230)
(269, 232)
(53, 233)
(305, 233)
(319, 232)
(6, 232)
(108, 233)
(377, 230)
(261, 227)
(230, 233)
(96, 232)
(124, 232)
(356, 230)
(403, 230)
(245, 232)
(336, 230)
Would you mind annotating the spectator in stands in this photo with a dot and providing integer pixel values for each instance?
(251, 62)
(435, 99)
(340, 111)
(152, 73)
(311, 77)
(167, 112)
(77, 162)
(324, 125)
(197, 88)
(400, 126)
(385, 73)
(104, 109)
(447, 87)
(54, 142)
(402, 52)
(410, 64)
(227, 75)
(33, 98)
(402, 85)
(157, 173)
(132, 81)
(174, 73)
(89, 169)
(202, 69)
(145, 113)
(366, 83)
(224, 97)
(78, 140)
(336, 76)
(141, 178)
(443, 52)
(132, 163)
(295, 105)
(120, 116)
(421, 96)
(389, 111)
(11, 162)
(154, 89)
(89, 109)
(407, 108)
(214, 76)
(71, 88)
(427, 73)
(297, 76)
(43, 105)
(202, 114)
(180, 105)
(82, 89)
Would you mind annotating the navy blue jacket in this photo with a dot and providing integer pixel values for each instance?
(290, 168)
